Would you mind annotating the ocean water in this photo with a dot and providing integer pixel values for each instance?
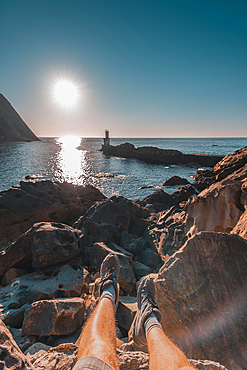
(58, 159)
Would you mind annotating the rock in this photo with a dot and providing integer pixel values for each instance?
(175, 180)
(139, 226)
(23, 342)
(45, 244)
(227, 166)
(54, 317)
(97, 253)
(62, 357)
(217, 208)
(131, 243)
(36, 347)
(159, 156)
(12, 274)
(167, 233)
(11, 356)
(127, 308)
(33, 202)
(105, 220)
(12, 126)
(241, 226)
(61, 281)
(133, 360)
(183, 194)
(150, 258)
(140, 269)
(13, 314)
(159, 196)
(204, 285)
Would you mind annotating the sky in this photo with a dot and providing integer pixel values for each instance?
(142, 68)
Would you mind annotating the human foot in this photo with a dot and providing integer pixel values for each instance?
(109, 274)
(147, 309)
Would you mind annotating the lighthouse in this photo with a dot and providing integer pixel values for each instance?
(107, 138)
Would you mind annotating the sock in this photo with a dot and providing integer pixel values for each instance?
(109, 292)
(151, 322)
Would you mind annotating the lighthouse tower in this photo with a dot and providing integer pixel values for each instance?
(107, 138)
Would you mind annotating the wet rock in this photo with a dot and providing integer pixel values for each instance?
(39, 201)
(127, 308)
(54, 317)
(175, 180)
(12, 274)
(11, 355)
(61, 281)
(140, 269)
(204, 285)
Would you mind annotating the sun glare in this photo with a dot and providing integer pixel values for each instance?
(66, 93)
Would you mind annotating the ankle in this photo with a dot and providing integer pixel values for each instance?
(150, 323)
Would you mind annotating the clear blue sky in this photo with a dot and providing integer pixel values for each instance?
(168, 68)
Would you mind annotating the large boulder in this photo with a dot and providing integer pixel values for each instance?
(228, 165)
(11, 356)
(201, 292)
(217, 208)
(105, 220)
(54, 317)
(45, 244)
(34, 202)
(97, 253)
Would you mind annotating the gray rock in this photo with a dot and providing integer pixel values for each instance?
(61, 281)
(12, 274)
(104, 221)
(131, 243)
(127, 308)
(36, 347)
(140, 269)
(23, 342)
(150, 258)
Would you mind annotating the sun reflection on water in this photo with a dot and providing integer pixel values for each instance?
(72, 164)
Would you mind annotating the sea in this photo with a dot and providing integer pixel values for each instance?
(80, 161)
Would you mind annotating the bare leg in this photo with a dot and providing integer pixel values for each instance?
(98, 338)
(164, 355)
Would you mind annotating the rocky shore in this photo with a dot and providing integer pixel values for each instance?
(155, 155)
(54, 237)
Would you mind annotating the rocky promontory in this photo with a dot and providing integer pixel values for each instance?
(155, 155)
(12, 126)
(54, 237)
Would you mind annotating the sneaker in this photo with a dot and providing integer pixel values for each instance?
(109, 274)
(146, 305)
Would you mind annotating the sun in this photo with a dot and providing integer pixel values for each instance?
(66, 93)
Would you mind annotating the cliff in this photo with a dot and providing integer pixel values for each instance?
(160, 156)
(12, 126)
